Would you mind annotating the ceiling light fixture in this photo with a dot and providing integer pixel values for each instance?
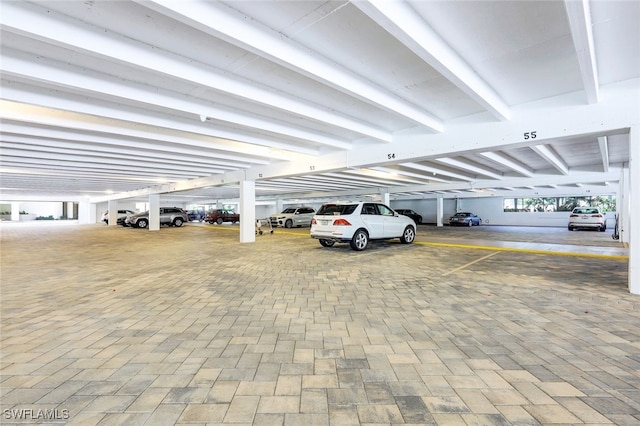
(203, 118)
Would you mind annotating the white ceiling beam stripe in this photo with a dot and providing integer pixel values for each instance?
(579, 17)
(460, 189)
(395, 178)
(423, 177)
(228, 24)
(541, 180)
(86, 80)
(510, 163)
(27, 143)
(552, 158)
(350, 175)
(466, 165)
(401, 21)
(82, 122)
(55, 136)
(604, 152)
(28, 20)
(111, 156)
(64, 101)
(436, 171)
(17, 156)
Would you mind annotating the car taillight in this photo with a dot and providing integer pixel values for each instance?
(341, 222)
(596, 215)
(313, 221)
(574, 215)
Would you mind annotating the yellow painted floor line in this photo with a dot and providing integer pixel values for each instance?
(523, 250)
(457, 245)
(470, 263)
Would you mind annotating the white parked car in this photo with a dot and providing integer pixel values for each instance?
(587, 217)
(293, 216)
(357, 223)
(122, 215)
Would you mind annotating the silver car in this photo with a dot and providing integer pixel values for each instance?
(172, 216)
(293, 216)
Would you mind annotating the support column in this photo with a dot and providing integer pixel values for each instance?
(439, 210)
(86, 212)
(385, 198)
(154, 212)
(634, 206)
(15, 212)
(622, 205)
(247, 211)
(112, 207)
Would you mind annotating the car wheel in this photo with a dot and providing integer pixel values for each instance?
(470, 222)
(178, 222)
(603, 228)
(569, 228)
(327, 243)
(219, 221)
(359, 240)
(408, 235)
(288, 223)
(142, 223)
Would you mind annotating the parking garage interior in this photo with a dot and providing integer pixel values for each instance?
(510, 110)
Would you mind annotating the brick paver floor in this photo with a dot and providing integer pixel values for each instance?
(113, 326)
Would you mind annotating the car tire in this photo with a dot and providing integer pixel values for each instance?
(288, 223)
(178, 222)
(603, 228)
(360, 240)
(470, 223)
(327, 243)
(569, 228)
(142, 223)
(219, 221)
(408, 235)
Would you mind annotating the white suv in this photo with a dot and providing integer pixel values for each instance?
(357, 223)
(293, 216)
(587, 217)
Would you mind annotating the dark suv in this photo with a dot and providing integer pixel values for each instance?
(412, 214)
(219, 216)
(172, 216)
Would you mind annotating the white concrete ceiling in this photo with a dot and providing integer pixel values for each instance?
(107, 99)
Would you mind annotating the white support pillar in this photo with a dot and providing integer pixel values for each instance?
(634, 206)
(385, 198)
(439, 210)
(154, 212)
(86, 212)
(15, 212)
(69, 209)
(112, 207)
(247, 211)
(279, 205)
(622, 205)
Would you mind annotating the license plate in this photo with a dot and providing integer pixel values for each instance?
(324, 222)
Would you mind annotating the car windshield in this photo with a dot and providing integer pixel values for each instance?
(586, 211)
(337, 209)
(290, 210)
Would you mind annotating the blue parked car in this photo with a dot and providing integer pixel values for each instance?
(464, 219)
(196, 215)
